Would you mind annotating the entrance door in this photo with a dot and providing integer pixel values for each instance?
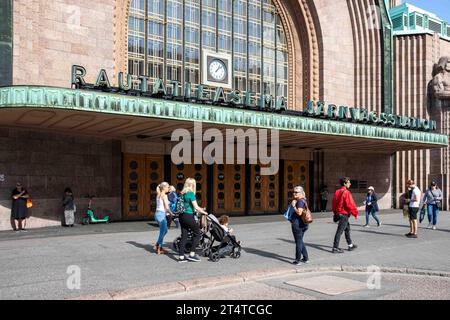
(264, 195)
(296, 174)
(228, 190)
(141, 176)
(183, 171)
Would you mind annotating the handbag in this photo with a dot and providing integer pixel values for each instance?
(289, 212)
(405, 211)
(29, 203)
(307, 216)
(422, 214)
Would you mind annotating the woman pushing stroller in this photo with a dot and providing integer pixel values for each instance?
(187, 221)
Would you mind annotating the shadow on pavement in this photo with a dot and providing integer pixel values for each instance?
(312, 245)
(146, 247)
(266, 254)
(380, 233)
(149, 248)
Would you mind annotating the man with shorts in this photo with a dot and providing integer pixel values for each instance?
(413, 208)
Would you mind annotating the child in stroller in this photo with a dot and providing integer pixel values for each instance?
(220, 232)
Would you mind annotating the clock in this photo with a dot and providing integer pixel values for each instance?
(217, 70)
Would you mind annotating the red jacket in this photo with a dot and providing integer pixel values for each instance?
(346, 203)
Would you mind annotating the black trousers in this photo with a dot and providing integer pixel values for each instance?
(187, 222)
(323, 205)
(343, 227)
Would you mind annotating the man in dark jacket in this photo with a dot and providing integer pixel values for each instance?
(344, 206)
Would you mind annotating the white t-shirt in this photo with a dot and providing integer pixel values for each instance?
(415, 198)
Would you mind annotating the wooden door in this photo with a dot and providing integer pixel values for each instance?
(141, 176)
(198, 172)
(154, 175)
(229, 189)
(264, 191)
(296, 173)
(133, 186)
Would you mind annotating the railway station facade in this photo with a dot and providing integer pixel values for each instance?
(92, 92)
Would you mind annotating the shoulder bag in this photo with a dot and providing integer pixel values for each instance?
(307, 216)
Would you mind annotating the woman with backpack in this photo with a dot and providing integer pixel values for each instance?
(162, 212)
(187, 203)
(172, 197)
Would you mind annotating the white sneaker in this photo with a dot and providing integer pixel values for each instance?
(434, 228)
(429, 226)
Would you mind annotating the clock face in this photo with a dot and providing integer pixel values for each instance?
(217, 70)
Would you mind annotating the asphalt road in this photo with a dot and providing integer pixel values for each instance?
(35, 265)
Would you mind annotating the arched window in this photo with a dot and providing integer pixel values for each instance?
(166, 37)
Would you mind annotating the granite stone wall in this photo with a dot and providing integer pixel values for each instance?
(47, 163)
(373, 168)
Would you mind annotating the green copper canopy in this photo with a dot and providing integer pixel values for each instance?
(109, 103)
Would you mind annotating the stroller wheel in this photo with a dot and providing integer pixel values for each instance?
(236, 255)
(214, 256)
(176, 245)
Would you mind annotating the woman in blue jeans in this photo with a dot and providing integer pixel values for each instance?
(162, 212)
(371, 206)
(298, 227)
(432, 199)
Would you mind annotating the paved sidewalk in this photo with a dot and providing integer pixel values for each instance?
(35, 266)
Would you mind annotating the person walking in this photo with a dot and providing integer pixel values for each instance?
(19, 210)
(162, 212)
(187, 221)
(299, 228)
(433, 200)
(344, 206)
(69, 208)
(172, 197)
(371, 206)
(413, 206)
(324, 199)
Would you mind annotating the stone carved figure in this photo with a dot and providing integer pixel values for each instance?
(441, 79)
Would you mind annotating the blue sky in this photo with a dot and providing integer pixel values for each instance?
(439, 7)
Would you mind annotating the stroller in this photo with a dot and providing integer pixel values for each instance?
(228, 246)
(204, 239)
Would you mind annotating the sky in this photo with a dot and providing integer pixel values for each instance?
(439, 7)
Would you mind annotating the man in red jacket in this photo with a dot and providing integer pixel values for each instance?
(343, 207)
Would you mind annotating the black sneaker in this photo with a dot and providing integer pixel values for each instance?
(182, 259)
(337, 250)
(194, 258)
(412, 236)
(352, 247)
(296, 263)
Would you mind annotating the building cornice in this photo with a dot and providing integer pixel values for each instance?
(109, 103)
